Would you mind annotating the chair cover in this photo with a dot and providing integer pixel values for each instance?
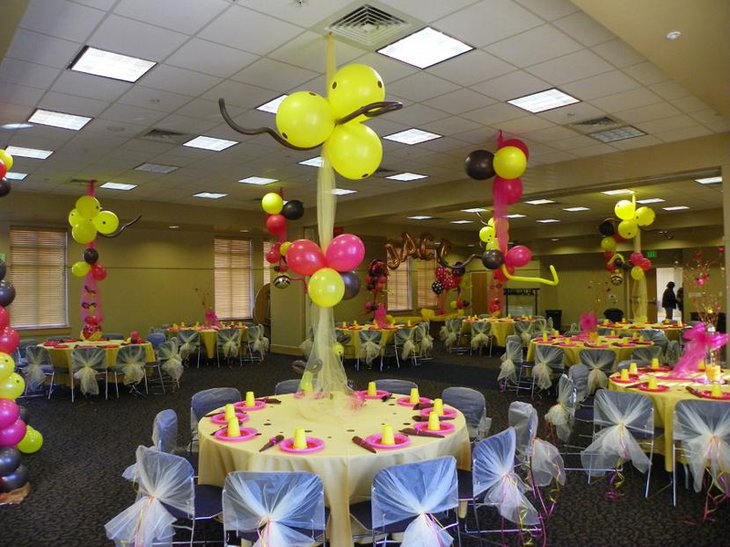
(416, 490)
(164, 431)
(524, 330)
(600, 363)
(170, 360)
(370, 341)
(130, 361)
(287, 386)
(424, 339)
(562, 413)
(657, 336)
(401, 387)
(206, 401)
(406, 339)
(493, 471)
(547, 358)
(673, 352)
(228, 342)
(523, 418)
(604, 331)
(472, 404)
(573, 330)
(546, 463)
(703, 430)
(162, 479)
(259, 342)
(550, 325)
(453, 333)
(156, 337)
(189, 342)
(481, 332)
(511, 358)
(37, 358)
(620, 414)
(86, 364)
(643, 356)
(274, 504)
(579, 374)
(343, 337)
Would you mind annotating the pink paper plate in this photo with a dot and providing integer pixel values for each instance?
(448, 412)
(257, 406)
(708, 395)
(246, 434)
(406, 401)
(645, 387)
(379, 394)
(631, 380)
(446, 427)
(662, 368)
(401, 441)
(313, 445)
(220, 419)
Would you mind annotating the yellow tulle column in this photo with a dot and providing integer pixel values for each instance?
(639, 296)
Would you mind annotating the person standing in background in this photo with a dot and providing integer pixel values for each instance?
(669, 300)
(680, 302)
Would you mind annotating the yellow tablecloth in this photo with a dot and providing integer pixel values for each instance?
(346, 469)
(672, 333)
(572, 353)
(501, 328)
(352, 348)
(207, 338)
(664, 403)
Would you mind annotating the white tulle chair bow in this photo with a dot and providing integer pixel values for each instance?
(405, 338)
(228, 342)
(453, 332)
(189, 342)
(130, 362)
(424, 339)
(600, 363)
(481, 335)
(547, 359)
(511, 359)
(524, 330)
(307, 343)
(170, 359)
(257, 341)
(522, 417)
(89, 365)
(38, 361)
(562, 414)
(370, 344)
(276, 508)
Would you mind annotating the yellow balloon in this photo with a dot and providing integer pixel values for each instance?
(12, 387)
(80, 269)
(272, 203)
(354, 150)
(7, 159)
(644, 216)
(106, 222)
(490, 222)
(326, 287)
(31, 442)
(608, 244)
(304, 119)
(625, 209)
(494, 244)
(486, 234)
(284, 248)
(353, 87)
(7, 366)
(84, 231)
(88, 206)
(628, 229)
(509, 162)
(637, 273)
(74, 217)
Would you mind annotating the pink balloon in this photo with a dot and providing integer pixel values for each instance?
(4, 316)
(12, 434)
(636, 258)
(345, 252)
(276, 225)
(519, 144)
(272, 257)
(518, 256)
(506, 191)
(9, 340)
(9, 412)
(305, 257)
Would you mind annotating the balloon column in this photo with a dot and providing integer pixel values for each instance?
(6, 164)
(15, 435)
(375, 282)
(278, 215)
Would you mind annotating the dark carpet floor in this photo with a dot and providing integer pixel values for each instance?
(77, 485)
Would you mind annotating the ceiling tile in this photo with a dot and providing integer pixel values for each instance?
(459, 101)
(600, 85)
(416, 114)
(87, 85)
(305, 14)
(141, 116)
(593, 150)
(309, 50)
(584, 29)
(549, 9)
(626, 100)
(550, 134)
(13, 113)
(390, 70)
(689, 104)
(706, 116)
(179, 80)
(498, 19)
(647, 73)
(522, 125)
(188, 125)
(534, 46)
(29, 74)
(168, 13)
(44, 50)
(618, 53)
(61, 19)
(682, 133)
(274, 75)
(20, 95)
(495, 114)
(450, 126)
(425, 11)
(569, 68)
(638, 142)
(210, 58)
(201, 108)
(421, 86)
(577, 141)
(241, 95)
(471, 67)
(155, 99)
(647, 113)
(74, 104)
(510, 86)
(150, 42)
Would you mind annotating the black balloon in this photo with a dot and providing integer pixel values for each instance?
(478, 164)
(91, 256)
(13, 481)
(4, 188)
(437, 287)
(3, 269)
(352, 284)
(9, 460)
(282, 281)
(7, 293)
(492, 259)
(293, 210)
(607, 228)
(458, 269)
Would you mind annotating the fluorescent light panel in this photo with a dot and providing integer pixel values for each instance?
(461, 221)
(273, 105)
(650, 200)
(516, 215)
(412, 136)
(118, 186)
(620, 192)
(474, 210)
(342, 191)
(14, 126)
(539, 201)
(59, 119)
(312, 162)
(34, 153)
(547, 220)
(257, 181)
(209, 195)
(676, 208)
(111, 65)
(710, 180)
(425, 48)
(406, 177)
(12, 175)
(576, 209)
(420, 217)
(618, 134)
(156, 168)
(210, 143)
(544, 100)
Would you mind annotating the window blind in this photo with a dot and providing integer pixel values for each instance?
(266, 267)
(424, 279)
(37, 270)
(399, 288)
(232, 278)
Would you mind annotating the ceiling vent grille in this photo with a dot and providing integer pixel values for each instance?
(369, 26)
(165, 135)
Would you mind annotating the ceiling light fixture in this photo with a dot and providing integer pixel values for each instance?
(173, 226)
(420, 217)
(118, 186)
(210, 143)
(618, 134)
(474, 210)
(425, 48)
(412, 136)
(12, 175)
(312, 162)
(619, 192)
(547, 220)
(13, 126)
(257, 181)
(59, 119)
(710, 180)
(209, 195)
(110, 65)
(647, 201)
(34, 153)
(516, 215)
(673, 35)
(676, 208)
(539, 201)
(406, 177)
(273, 105)
(343, 191)
(462, 221)
(576, 209)
(156, 168)
(549, 99)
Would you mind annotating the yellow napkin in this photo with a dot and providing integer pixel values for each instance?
(716, 390)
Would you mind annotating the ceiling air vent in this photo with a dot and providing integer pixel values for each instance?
(368, 26)
(165, 135)
(595, 124)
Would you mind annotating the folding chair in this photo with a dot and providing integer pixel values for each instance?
(228, 345)
(400, 387)
(509, 373)
(130, 363)
(404, 342)
(287, 386)
(189, 343)
(170, 360)
(548, 361)
(481, 336)
(36, 368)
(89, 366)
(562, 414)
(203, 402)
(473, 405)
(600, 363)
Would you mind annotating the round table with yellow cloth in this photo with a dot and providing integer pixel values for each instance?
(502, 327)
(346, 469)
(352, 348)
(664, 402)
(208, 337)
(672, 332)
(572, 352)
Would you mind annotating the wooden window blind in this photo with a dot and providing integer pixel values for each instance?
(399, 288)
(424, 279)
(266, 266)
(37, 270)
(232, 278)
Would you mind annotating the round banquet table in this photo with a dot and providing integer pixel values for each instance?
(571, 351)
(208, 337)
(502, 327)
(665, 401)
(352, 348)
(672, 332)
(346, 469)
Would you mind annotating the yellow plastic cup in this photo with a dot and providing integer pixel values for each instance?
(716, 390)
(372, 390)
(250, 399)
(415, 398)
(654, 362)
(624, 375)
(632, 368)
(433, 422)
(438, 407)
(300, 439)
(234, 430)
(653, 382)
(230, 412)
(387, 438)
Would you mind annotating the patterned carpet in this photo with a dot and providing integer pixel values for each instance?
(77, 484)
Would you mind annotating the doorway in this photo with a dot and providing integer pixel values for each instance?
(664, 276)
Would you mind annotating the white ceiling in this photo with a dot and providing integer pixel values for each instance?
(251, 51)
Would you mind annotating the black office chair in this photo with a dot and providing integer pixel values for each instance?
(613, 314)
